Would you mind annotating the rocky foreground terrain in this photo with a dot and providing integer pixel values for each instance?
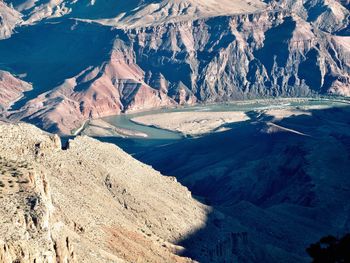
(89, 59)
(88, 203)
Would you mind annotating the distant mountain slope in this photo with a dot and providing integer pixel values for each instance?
(329, 15)
(136, 12)
(92, 59)
(172, 11)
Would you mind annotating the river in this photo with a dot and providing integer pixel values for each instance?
(157, 137)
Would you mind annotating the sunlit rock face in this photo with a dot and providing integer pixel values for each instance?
(91, 203)
(12, 89)
(244, 56)
(9, 19)
(89, 59)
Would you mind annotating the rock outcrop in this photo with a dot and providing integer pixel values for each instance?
(9, 19)
(12, 89)
(89, 203)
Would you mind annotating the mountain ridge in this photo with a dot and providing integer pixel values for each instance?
(284, 49)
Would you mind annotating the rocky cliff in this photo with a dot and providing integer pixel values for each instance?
(88, 203)
(9, 19)
(149, 54)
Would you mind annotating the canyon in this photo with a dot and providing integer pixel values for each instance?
(86, 61)
(260, 190)
(220, 129)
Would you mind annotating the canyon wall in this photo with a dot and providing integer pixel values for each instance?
(272, 49)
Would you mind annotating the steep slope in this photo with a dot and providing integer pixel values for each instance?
(266, 54)
(91, 203)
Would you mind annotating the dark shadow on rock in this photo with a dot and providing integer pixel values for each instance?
(330, 250)
(273, 189)
(275, 49)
